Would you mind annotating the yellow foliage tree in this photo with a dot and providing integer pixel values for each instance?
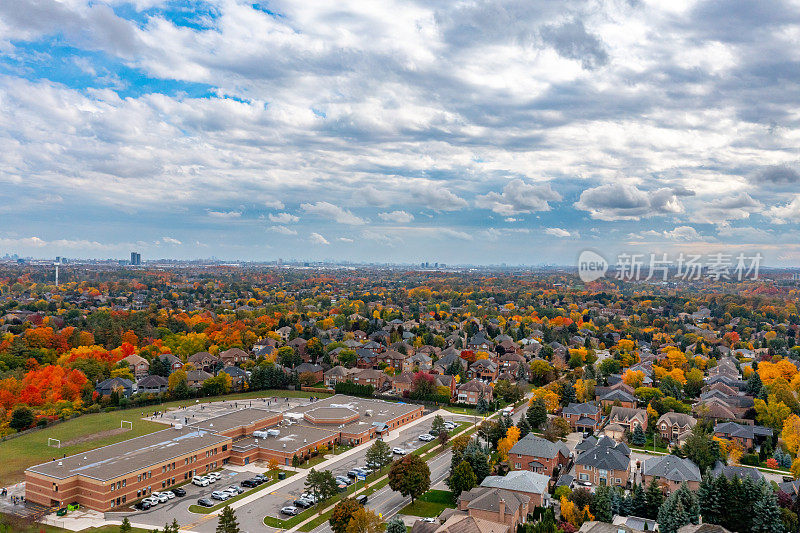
(504, 446)
(796, 468)
(771, 413)
(634, 378)
(584, 389)
(791, 433)
(512, 434)
(573, 515)
(549, 398)
(769, 372)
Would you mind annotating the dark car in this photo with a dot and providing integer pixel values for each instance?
(179, 492)
(142, 506)
(250, 483)
(205, 502)
(261, 478)
(362, 499)
(305, 504)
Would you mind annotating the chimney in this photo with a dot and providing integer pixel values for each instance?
(502, 510)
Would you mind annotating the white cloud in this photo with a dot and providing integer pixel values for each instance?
(170, 240)
(316, 238)
(617, 201)
(438, 198)
(283, 218)
(398, 217)
(344, 239)
(557, 232)
(783, 214)
(682, 233)
(274, 204)
(283, 230)
(333, 212)
(519, 197)
(225, 214)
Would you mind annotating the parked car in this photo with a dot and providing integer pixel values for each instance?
(290, 510)
(152, 501)
(305, 504)
(450, 426)
(343, 479)
(362, 499)
(162, 496)
(261, 478)
(200, 481)
(216, 475)
(250, 483)
(142, 506)
(170, 495)
(205, 502)
(366, 471)
(235, 488)
(179, 492)
(399, 451)
(220, 495)
(427, 437)
(308, 496)
(429, 520)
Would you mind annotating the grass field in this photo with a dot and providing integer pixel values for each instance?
(430, 504)
(21, 452)
(19, 527)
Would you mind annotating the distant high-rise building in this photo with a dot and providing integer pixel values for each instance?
(136, 258)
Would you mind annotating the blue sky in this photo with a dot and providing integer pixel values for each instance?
(461, 132)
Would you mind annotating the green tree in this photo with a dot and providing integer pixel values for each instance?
(438, 425)
(342, 514)
(227, 521)
(125, 526)
(654, 498)
(478, 458)
(395, 525)
(321, 484)
(295, 461)
(378, 455)
(410, 476)
(537, 414)
(638, 502)
(701, 448)
(601, 504)
(766, 516)
(709, 499)
(638, 438)
(21, 418)
(524, 427)
(671, 514)
(462, 479)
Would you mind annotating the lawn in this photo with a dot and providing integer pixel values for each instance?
(11, 525)
(424, 509)
(272, 473)
(314, 461)
(21, 452)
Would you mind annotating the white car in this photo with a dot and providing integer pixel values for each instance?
(216, 475)
(163, 498)
(170, 494)
(200, 481)
(399, 451)
(152, 500)
(450, 426)
(220, 495)
(427, 437)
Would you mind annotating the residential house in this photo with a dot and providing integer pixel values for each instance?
(605, 527)
(315, 370)
(471, 391)
(417, 362)
(732, 471)
(366, 358)
(495, 505)
(204, 361)
(171, 361)
(583, 417)
(195, 378)
(124, 387)
(675, 427)
(604, 462)
(479, 343)
(530, 484)
(484, 370)
(368, 376)
(139, 365)
(628, 418)
(392, 358)
(284, 332)
(403, 382)
(746, 435)
(444, 380)
(618, 398)
(238, 377)
(719, 409)
(449, 356)
(299, 346)
(233, 356)
(538, 455)
(337, 374)
(670, 471)
(152, 385)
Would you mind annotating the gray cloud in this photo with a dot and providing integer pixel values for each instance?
(778, 174)
(616, 201)
(572, 41)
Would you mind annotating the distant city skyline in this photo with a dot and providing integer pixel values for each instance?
(481, 132)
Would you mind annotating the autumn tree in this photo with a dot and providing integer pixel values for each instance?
(342, 513)
(410, 476)
(364, 521)
(462, 479)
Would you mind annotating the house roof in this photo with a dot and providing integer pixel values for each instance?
(152, 381)
(626, 414)
(681, 419)
(744, 431)
(581, 409)
(462, 523)
(535, 446)
(731, 471)
(618, 396)
(112, 383)
(489, 498)
(606, 454)
(519, 480)
(672, 468)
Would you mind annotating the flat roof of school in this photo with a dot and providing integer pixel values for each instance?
(132, 455)
(234, 419)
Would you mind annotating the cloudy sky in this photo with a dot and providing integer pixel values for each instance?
(462, 132)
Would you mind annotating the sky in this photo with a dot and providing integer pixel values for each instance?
(482, 132)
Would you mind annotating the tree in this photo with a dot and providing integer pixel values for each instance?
(524, 427)
(444, 436)
(754, 384)
(364, 521)
(701, 448)
(378, 455)
(537, 414)
(689, 502)
(709, 500)
(601, 504)
(462, 479)
(638, 438)
(395, 525)
(557, 428)
(791, 433)
(478, 458)
(342, 513)
(654, 498)
(671, 515)
(766, 516)
(295, 461)
(227, 521)
(438, 425)
(638, 502)
(410, 476)
(321, 484)
(125, 526)
(21, 418)
(482, 406)
(771, 413)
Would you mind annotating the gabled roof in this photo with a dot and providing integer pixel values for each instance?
(488, 499)
(581, 409)
(535, 446)
(618, 396)
(606, 454)
(681, 419)
(152, 381)
(731, 471)
(626, 414)
(519, 480)
(672, 467)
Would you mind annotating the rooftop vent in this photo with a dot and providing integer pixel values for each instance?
(60, 463)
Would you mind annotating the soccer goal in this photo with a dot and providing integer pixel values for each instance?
(123, 423)
(51, 441)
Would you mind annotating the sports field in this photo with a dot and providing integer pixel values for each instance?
(22, 452)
